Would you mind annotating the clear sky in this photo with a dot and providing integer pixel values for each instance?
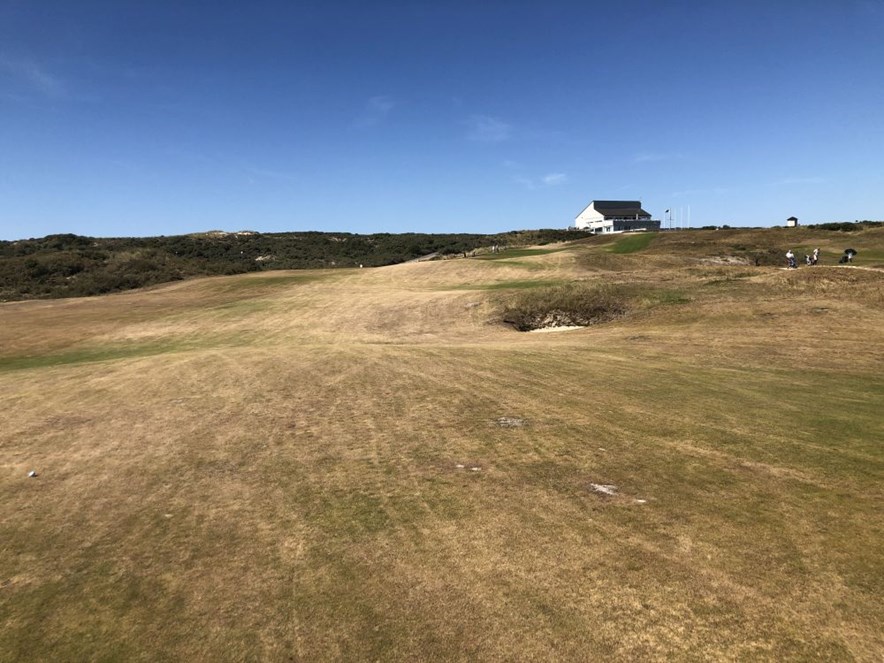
(161, 117)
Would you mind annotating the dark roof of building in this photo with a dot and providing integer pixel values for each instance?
(792, 218)
(619, 208)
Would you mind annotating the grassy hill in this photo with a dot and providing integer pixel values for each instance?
(371, 465)
(76, 266)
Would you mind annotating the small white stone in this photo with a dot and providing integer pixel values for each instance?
(475, 469)
(32, 474)
(459, 466)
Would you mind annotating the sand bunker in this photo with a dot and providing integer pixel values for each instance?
(544, 330)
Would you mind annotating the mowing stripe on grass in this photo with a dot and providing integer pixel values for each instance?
(633, 243)
(113, 352)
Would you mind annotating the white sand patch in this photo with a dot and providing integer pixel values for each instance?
(556, 329)
(725, 260)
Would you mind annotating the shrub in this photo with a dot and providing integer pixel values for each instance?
(769, 258)
(844, 227)
(565, 305)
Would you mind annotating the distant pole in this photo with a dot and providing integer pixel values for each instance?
(689, 216)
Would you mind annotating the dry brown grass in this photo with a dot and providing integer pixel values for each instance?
(266, 467)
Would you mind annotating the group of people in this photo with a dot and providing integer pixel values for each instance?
(811, 259)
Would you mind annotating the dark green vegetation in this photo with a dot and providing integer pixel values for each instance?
(847, 227)
(74, 266)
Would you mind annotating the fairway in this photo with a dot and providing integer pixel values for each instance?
(367, 464)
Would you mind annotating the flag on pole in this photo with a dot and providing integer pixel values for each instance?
(666, 212)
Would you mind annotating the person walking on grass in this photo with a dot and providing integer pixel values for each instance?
(790, 259)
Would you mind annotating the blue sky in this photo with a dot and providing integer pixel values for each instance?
(136, 118)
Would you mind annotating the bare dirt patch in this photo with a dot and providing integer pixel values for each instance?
(510, 422)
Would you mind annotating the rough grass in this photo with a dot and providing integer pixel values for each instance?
(519, 284)
(304, 490)
(508, 254)
(572, 304)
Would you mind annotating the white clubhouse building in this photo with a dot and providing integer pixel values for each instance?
(613, 216)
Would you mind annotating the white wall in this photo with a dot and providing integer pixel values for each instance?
(588, 219)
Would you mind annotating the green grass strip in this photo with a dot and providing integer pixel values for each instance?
(633, 242)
